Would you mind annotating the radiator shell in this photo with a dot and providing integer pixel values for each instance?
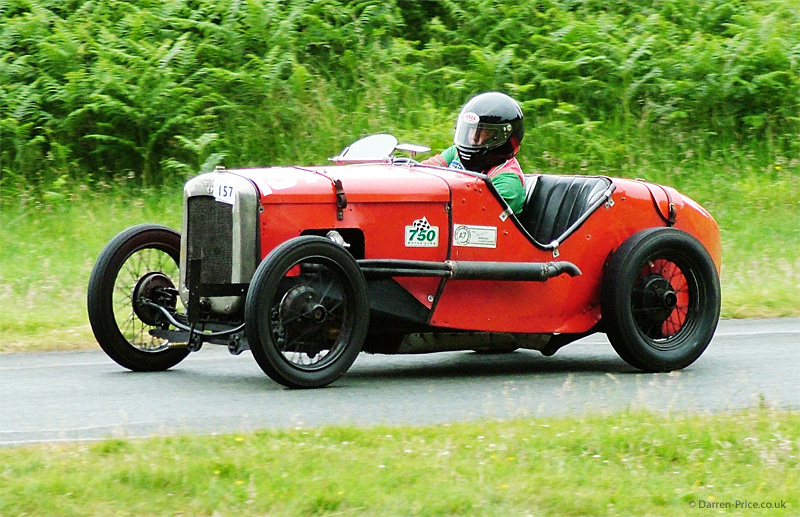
(224, 235)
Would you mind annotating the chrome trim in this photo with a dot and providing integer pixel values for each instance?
(245, 250)
(601, 200)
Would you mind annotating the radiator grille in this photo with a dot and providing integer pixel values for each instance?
(210, 238)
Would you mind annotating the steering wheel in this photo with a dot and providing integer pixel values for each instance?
(404, 160)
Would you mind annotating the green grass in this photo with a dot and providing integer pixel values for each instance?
(636, 463)
(758, 210)
(47, 250)
(48, 247)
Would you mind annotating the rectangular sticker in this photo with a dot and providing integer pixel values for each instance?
(475, 236)
(224, 192)
(422, 235)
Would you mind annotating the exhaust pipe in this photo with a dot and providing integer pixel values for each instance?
(467, 270)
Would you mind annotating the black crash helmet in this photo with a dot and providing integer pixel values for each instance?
(489, 131)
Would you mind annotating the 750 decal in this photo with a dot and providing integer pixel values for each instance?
(422, 234)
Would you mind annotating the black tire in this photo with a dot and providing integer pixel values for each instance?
(660, 300)
(135, 254)
(307, 312)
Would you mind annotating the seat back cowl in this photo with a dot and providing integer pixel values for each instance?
(556, 205)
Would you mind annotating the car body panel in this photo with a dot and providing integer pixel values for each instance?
(384, 200)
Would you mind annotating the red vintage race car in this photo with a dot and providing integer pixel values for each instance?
(309, 266)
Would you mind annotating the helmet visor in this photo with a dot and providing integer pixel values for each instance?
(473, 134)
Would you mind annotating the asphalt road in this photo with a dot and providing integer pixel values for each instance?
(85, 396)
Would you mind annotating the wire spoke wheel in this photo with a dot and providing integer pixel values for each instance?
(144, 271)
(138, 266)
(309, 321)
(306, 313)
(660, 299)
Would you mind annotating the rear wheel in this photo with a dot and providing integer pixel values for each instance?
(307, 313)
(660, 299)
(138, 266)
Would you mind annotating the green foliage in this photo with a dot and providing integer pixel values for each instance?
(157, 90)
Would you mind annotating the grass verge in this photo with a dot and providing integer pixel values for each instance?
(635, 463)
(47, 250)
(48, 246)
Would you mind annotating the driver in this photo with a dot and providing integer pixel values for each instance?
(488, 134)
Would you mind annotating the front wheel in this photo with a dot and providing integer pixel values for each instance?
(138, 266)
(660, 300)
(307, 312)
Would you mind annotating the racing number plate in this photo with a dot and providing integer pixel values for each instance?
(224, 191)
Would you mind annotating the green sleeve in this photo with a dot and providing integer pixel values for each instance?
(510, 188)
(449, 154)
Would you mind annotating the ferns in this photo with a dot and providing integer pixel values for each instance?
(159, 90)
